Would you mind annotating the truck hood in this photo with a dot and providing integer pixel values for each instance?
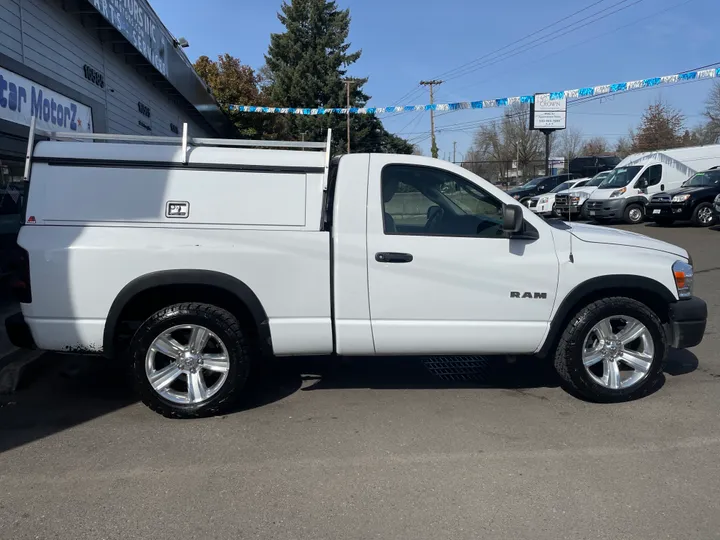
(587, 190)
(605, 192)
(604, 235)
(694, 190)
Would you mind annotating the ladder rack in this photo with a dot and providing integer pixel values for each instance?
(183, 141)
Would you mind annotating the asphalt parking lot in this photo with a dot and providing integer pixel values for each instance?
(373, 449)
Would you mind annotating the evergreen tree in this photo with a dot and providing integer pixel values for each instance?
(306, 66)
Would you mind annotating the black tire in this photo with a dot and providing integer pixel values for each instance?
(634, 214)
(219, 321)
(568, 356)
(699, 214)
(664, 222)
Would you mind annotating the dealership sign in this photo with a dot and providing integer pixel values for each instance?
(547, 113)
(21, 99)
(135, 20)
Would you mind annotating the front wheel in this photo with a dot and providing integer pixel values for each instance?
(703, 215)
(634, 214)
(612, 350)
(190, 360)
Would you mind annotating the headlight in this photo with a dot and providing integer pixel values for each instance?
(684, 277)
(516, 197)
(576, 199)
(543, 200)
(680, 198)
(618, 192)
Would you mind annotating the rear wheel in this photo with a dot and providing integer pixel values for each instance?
(190, 360)
(612, 350)
(703, 215)
(633, 214)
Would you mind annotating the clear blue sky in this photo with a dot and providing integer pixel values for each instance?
(404, 41)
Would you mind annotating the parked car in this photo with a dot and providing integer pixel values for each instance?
(544, 205)
(571, 203)
(692, 202)
(589, 166)
(716, 209)
(234, 254)
(624, 194)
(538, 186)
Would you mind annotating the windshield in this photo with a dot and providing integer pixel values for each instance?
(620, 177)
(562, 187)
(707, 178)
(598, 178)
(533, 182)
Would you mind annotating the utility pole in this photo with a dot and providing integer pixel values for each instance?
(433, 146)
(454, 150)
(348, 82)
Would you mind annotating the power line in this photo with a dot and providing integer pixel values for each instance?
(545, 39)
(453, 71)
(575, 45)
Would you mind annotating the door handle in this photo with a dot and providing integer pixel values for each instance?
(390, 257)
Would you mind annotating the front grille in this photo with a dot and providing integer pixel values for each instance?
(595, 205)
(561, 200)
(532, 204)
(660, 199)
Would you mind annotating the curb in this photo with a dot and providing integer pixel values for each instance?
(12, 366)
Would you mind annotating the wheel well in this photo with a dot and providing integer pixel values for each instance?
(147, 302)
(653, 299)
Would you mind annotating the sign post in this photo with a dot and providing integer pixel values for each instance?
(548, 114)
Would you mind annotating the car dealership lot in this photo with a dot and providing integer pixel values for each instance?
(373, 448)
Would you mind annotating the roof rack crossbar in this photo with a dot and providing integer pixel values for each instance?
(181, 141)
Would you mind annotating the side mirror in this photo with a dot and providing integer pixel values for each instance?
(642, 184)
(512, 218)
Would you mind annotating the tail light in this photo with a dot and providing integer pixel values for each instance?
(21, 285)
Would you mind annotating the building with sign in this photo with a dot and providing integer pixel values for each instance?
(91, 66)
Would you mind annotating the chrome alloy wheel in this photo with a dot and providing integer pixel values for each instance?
(705, 215)
(618, 352)
(188, 373)
(635, 215)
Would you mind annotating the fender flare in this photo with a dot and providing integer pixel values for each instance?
(617, 282)
(185, 277)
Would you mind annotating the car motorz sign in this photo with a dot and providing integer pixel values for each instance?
(21, 99)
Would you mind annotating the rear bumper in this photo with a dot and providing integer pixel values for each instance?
(688, 319)
(19, 332)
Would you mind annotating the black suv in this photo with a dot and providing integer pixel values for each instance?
(692, 202)
(538, 186)
(589, 166)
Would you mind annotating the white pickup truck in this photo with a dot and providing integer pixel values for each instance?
(193, 258)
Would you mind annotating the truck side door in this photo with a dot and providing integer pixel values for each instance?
(442, 275)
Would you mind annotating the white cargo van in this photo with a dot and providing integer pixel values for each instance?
(193, 260)
(624, 194)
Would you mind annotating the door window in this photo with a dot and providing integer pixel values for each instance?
(652, 175)
(433, 202)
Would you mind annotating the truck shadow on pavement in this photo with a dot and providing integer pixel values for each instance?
(61, 392)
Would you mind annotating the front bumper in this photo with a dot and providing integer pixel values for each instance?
(680, 211)
(606, 208)
(19, 332)
(688, 319)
